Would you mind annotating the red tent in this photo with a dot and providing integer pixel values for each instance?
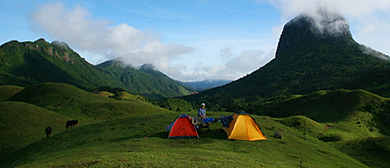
(183, 128)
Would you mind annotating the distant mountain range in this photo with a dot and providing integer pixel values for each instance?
(311, 55)
(28, 63)
(207, 84)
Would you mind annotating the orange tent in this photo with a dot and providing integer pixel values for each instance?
(244, 127)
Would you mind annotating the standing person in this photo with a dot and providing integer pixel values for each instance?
(202, 113)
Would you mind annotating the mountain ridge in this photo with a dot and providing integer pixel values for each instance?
(28, 63)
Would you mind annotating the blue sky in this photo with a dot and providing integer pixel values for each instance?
(189, 40)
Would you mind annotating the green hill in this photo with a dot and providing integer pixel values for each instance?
(29, 63)
(79, 104)
(8, 91)
(24, 116)
(355, 122)
(307, 60)
(353, 110)
(22, 124)
(358, 137)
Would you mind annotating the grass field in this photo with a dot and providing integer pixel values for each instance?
(125, 142)
(130, 133)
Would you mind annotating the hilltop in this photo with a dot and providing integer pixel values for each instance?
(309, 58)
(8, 91)
(76, 103)
(27, 63)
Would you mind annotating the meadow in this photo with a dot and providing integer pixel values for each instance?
(130, 133)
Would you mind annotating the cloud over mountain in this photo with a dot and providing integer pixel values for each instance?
(99, 37)
(368, 18)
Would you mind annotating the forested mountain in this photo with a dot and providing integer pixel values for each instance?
(312, 55)
(27, 63)
(145, 81)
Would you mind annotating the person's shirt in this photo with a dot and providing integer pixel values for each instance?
(202, 112)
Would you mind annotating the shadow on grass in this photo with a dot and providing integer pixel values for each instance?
(162, 135)
(159, 134)
(212, 134)
(123, 139)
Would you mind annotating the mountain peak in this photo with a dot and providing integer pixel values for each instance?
(309, 27)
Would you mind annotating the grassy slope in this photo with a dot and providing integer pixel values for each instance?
(359, 121)
(79, 104)
(22, 124)
(25, 116)
(125, 142)
(118, 141)
(374, 152)
(357, 109)
(368, 147)
(8, 91)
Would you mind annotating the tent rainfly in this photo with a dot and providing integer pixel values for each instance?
(242, 126)
(182, 128)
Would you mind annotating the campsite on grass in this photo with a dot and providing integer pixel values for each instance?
(131, 133)
(240, 126)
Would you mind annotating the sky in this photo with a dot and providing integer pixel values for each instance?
(189, 40)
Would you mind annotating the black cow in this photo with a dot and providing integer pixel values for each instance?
(70, 124)
(48, 131)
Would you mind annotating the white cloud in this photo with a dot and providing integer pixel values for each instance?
(238, 65)
(96, 36)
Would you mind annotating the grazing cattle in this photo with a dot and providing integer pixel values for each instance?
(48, 131)
(70, 124)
